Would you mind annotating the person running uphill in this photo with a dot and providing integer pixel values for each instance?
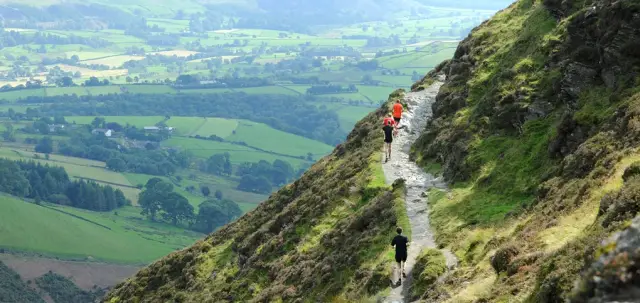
(397, 112)
(400, 242)
(388, 139)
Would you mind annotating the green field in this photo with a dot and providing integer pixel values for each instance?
(239, 154)
(264, 137)
(103, 90)
(61, 91)
(191, 126)
(123, 238)
(217, 126)
(21, 94)
(137, 121)
(18, 108)
(350, 115)
(206, 91)
(89, 55)
(376, 93)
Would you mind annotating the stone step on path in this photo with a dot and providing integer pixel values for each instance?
(414, 120)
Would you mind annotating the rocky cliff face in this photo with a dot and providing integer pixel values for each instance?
(534, 129)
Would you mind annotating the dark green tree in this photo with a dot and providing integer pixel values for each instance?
(153, 197)
(45, 145)
(205, 191)
(116, 164)
(176, 208)
(215, 213)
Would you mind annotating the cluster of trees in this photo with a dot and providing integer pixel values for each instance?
(215, 213)
(369, 65)
(83, 144)
(30, 179)
(283, 112)
(218, 164)
(259, 177)
(277, 173)
(94, 81)
(331, 89)
(159, 199)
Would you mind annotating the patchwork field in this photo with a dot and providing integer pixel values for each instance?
(21, 94)
(90, 72)
(239, 154)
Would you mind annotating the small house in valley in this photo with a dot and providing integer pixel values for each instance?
(105, 132)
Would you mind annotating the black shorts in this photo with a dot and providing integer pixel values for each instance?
(397, 120)
(401, 257)
(388, 140)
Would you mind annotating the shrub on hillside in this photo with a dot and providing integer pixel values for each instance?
(430, 264)
(632, 170)
(622, 205)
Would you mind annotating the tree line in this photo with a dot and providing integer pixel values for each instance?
(283, 112)
(30, 179)
(12, 38)
(159, 200)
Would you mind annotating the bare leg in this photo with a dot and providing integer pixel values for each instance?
(384, 151)
(403, 275)
(389, 149)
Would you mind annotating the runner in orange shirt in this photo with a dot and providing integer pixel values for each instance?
(397, 112)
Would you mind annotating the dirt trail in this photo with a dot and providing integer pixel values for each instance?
(413, 122)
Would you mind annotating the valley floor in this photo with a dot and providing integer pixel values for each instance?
(417, 182)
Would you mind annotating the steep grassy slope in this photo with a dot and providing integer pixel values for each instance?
(534, 129)
(324, 237)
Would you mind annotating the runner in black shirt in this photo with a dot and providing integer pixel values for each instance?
(400, 242)
(388, 138)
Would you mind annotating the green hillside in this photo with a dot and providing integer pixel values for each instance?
(535, 132)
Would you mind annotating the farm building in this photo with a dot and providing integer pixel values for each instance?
(55, 127)
(106, 132)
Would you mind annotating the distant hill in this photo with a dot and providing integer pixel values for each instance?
(272, 14)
